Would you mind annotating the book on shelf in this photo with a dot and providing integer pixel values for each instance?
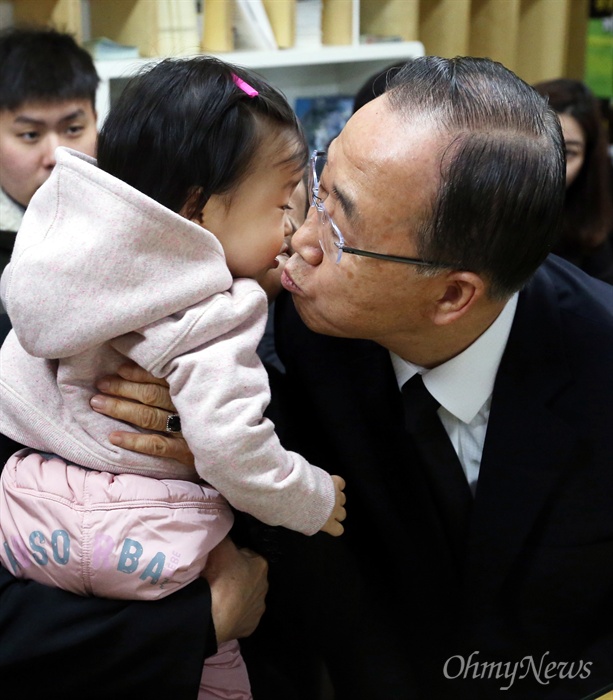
(308, 24)
(217, 26)
(155, 27)
(103, 49)
(65, 15)
(252, 28)
(282, 16)
(379, 39)
(177, 28)
(236, 24)
(338, 22)
(391, 18)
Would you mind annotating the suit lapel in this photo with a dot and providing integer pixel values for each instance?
(527, 447)
(396, 485)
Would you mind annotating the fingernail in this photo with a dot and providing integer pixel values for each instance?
(116, 439)
(97, 402)
(103, 384)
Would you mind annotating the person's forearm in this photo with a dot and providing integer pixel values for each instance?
(50, 639)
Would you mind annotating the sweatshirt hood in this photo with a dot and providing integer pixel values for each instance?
(95, 258)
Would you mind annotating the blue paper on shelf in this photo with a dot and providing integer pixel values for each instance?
(103, 49)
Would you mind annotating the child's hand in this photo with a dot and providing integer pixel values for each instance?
(333, 524)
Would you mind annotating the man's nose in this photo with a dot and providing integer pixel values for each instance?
(50, 143)
(305, 241)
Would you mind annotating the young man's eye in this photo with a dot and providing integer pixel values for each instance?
(29, 136)
(75, 129)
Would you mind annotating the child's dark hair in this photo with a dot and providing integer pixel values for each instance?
(40, 64)
(183, 130)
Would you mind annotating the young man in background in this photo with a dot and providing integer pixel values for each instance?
(47, 99)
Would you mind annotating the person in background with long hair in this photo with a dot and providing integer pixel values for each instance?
(586, 237)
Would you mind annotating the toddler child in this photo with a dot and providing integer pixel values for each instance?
(151, 254)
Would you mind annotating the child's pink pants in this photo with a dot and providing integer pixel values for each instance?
(115, 536)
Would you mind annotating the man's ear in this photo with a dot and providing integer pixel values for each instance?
(460, 291)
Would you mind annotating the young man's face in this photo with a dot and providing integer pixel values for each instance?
(29, 136)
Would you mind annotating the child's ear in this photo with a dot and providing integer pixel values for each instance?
(187, 210)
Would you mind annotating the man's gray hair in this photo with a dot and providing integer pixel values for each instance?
(498, 209)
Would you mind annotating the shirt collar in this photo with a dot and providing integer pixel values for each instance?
(463, 384)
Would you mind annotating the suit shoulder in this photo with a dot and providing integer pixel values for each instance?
(579, 297)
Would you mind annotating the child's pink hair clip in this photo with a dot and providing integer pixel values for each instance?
(245, 87)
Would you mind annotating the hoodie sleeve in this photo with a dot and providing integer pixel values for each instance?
(207, 353)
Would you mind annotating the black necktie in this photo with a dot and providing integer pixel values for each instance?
(441, 465)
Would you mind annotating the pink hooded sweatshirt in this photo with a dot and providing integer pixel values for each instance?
(100, 273)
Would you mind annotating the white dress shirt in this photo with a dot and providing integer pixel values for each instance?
(463, 386)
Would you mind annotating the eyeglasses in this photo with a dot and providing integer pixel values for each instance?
(332, 241)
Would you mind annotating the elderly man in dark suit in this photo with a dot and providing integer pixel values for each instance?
(462, 383)
(436, 206)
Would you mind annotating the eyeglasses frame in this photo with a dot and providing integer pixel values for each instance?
(318, 203)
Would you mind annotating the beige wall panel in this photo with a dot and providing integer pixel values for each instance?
(444, 27)
(577, 39)
(390, 18)
(493, 30)
(543, 39)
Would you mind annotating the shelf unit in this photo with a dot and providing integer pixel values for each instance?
(538, 39)
(330, 70)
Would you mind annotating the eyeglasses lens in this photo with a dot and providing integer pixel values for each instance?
(329, 236)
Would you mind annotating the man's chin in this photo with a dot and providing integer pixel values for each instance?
(312, 319)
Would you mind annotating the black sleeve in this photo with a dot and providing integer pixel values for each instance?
(90, 647)
(51, 640)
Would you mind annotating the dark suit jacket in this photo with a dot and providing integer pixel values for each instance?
(385, 604)
(53, 642)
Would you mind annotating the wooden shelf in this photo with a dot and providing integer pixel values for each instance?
(326, 70)
(284, 57)
(538, 39)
